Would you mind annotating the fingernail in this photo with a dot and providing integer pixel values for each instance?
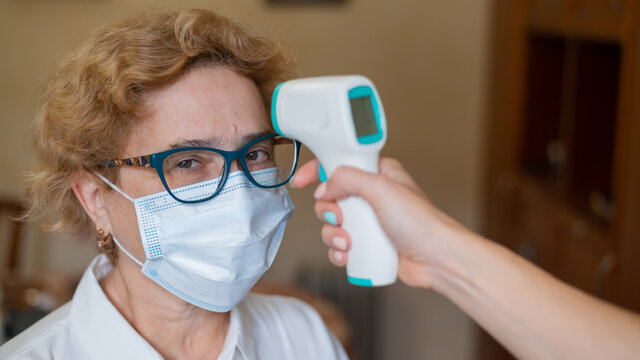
(291, 184)
(340, 243)
(320, 191)
(337, 256)
(330, 217)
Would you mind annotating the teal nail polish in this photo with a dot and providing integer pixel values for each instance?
(330, 217)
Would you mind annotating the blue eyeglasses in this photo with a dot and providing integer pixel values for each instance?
(272, 154)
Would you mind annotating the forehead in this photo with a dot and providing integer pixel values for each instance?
(207, 103)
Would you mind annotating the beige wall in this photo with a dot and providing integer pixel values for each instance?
(427, 58)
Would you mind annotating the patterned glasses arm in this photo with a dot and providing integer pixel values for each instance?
(140, 161)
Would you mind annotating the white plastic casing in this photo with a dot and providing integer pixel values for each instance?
(317, 112)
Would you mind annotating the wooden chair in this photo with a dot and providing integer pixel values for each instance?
(25, 299)
(12, 210)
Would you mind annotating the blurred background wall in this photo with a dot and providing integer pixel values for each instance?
(428, 59)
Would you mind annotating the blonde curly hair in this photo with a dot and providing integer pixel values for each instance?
(91, 103)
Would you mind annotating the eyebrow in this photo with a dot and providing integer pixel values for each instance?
(212, 142)
(216, 141)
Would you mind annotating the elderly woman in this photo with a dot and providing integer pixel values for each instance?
(156, 133)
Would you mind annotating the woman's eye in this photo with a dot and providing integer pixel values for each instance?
(256, 155)
(185, 164)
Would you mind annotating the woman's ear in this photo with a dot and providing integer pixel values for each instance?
(90, 193)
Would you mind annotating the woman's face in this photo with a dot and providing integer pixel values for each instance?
(211, 106)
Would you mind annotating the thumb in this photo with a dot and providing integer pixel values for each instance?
(349, 181)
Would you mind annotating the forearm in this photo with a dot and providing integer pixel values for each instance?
(531, 313)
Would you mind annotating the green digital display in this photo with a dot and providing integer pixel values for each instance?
(364, 117)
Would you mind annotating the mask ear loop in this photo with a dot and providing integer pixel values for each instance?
(114, 187)
(128, 198)
(125, 251)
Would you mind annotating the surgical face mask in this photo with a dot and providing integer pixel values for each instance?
(210, 254)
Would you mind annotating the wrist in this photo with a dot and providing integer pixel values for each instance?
(453, 262)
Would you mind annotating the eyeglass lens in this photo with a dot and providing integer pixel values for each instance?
(269, 161)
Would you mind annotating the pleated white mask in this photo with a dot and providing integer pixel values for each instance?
(210, 254)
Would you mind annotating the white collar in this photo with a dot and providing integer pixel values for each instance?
(106, 334)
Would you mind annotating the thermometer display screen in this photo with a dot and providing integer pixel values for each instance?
(364, 117)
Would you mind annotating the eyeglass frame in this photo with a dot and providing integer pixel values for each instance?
(155, 161)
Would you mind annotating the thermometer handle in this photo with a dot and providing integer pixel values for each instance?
(372, 259)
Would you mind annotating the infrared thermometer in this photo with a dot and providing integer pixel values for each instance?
(341, 120)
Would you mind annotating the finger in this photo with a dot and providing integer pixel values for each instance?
(338, 258)
(328, 212)
(336, 238)
(307, 174)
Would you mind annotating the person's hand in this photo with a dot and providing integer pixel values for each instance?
(415, 227)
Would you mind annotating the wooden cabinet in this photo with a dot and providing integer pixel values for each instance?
(563, 170)
(594, 19)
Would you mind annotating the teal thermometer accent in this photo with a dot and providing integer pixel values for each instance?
(322, 175)
(341, 120)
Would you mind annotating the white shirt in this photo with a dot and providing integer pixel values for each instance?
(90, 327)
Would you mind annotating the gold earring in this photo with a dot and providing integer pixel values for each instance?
(102, 238)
